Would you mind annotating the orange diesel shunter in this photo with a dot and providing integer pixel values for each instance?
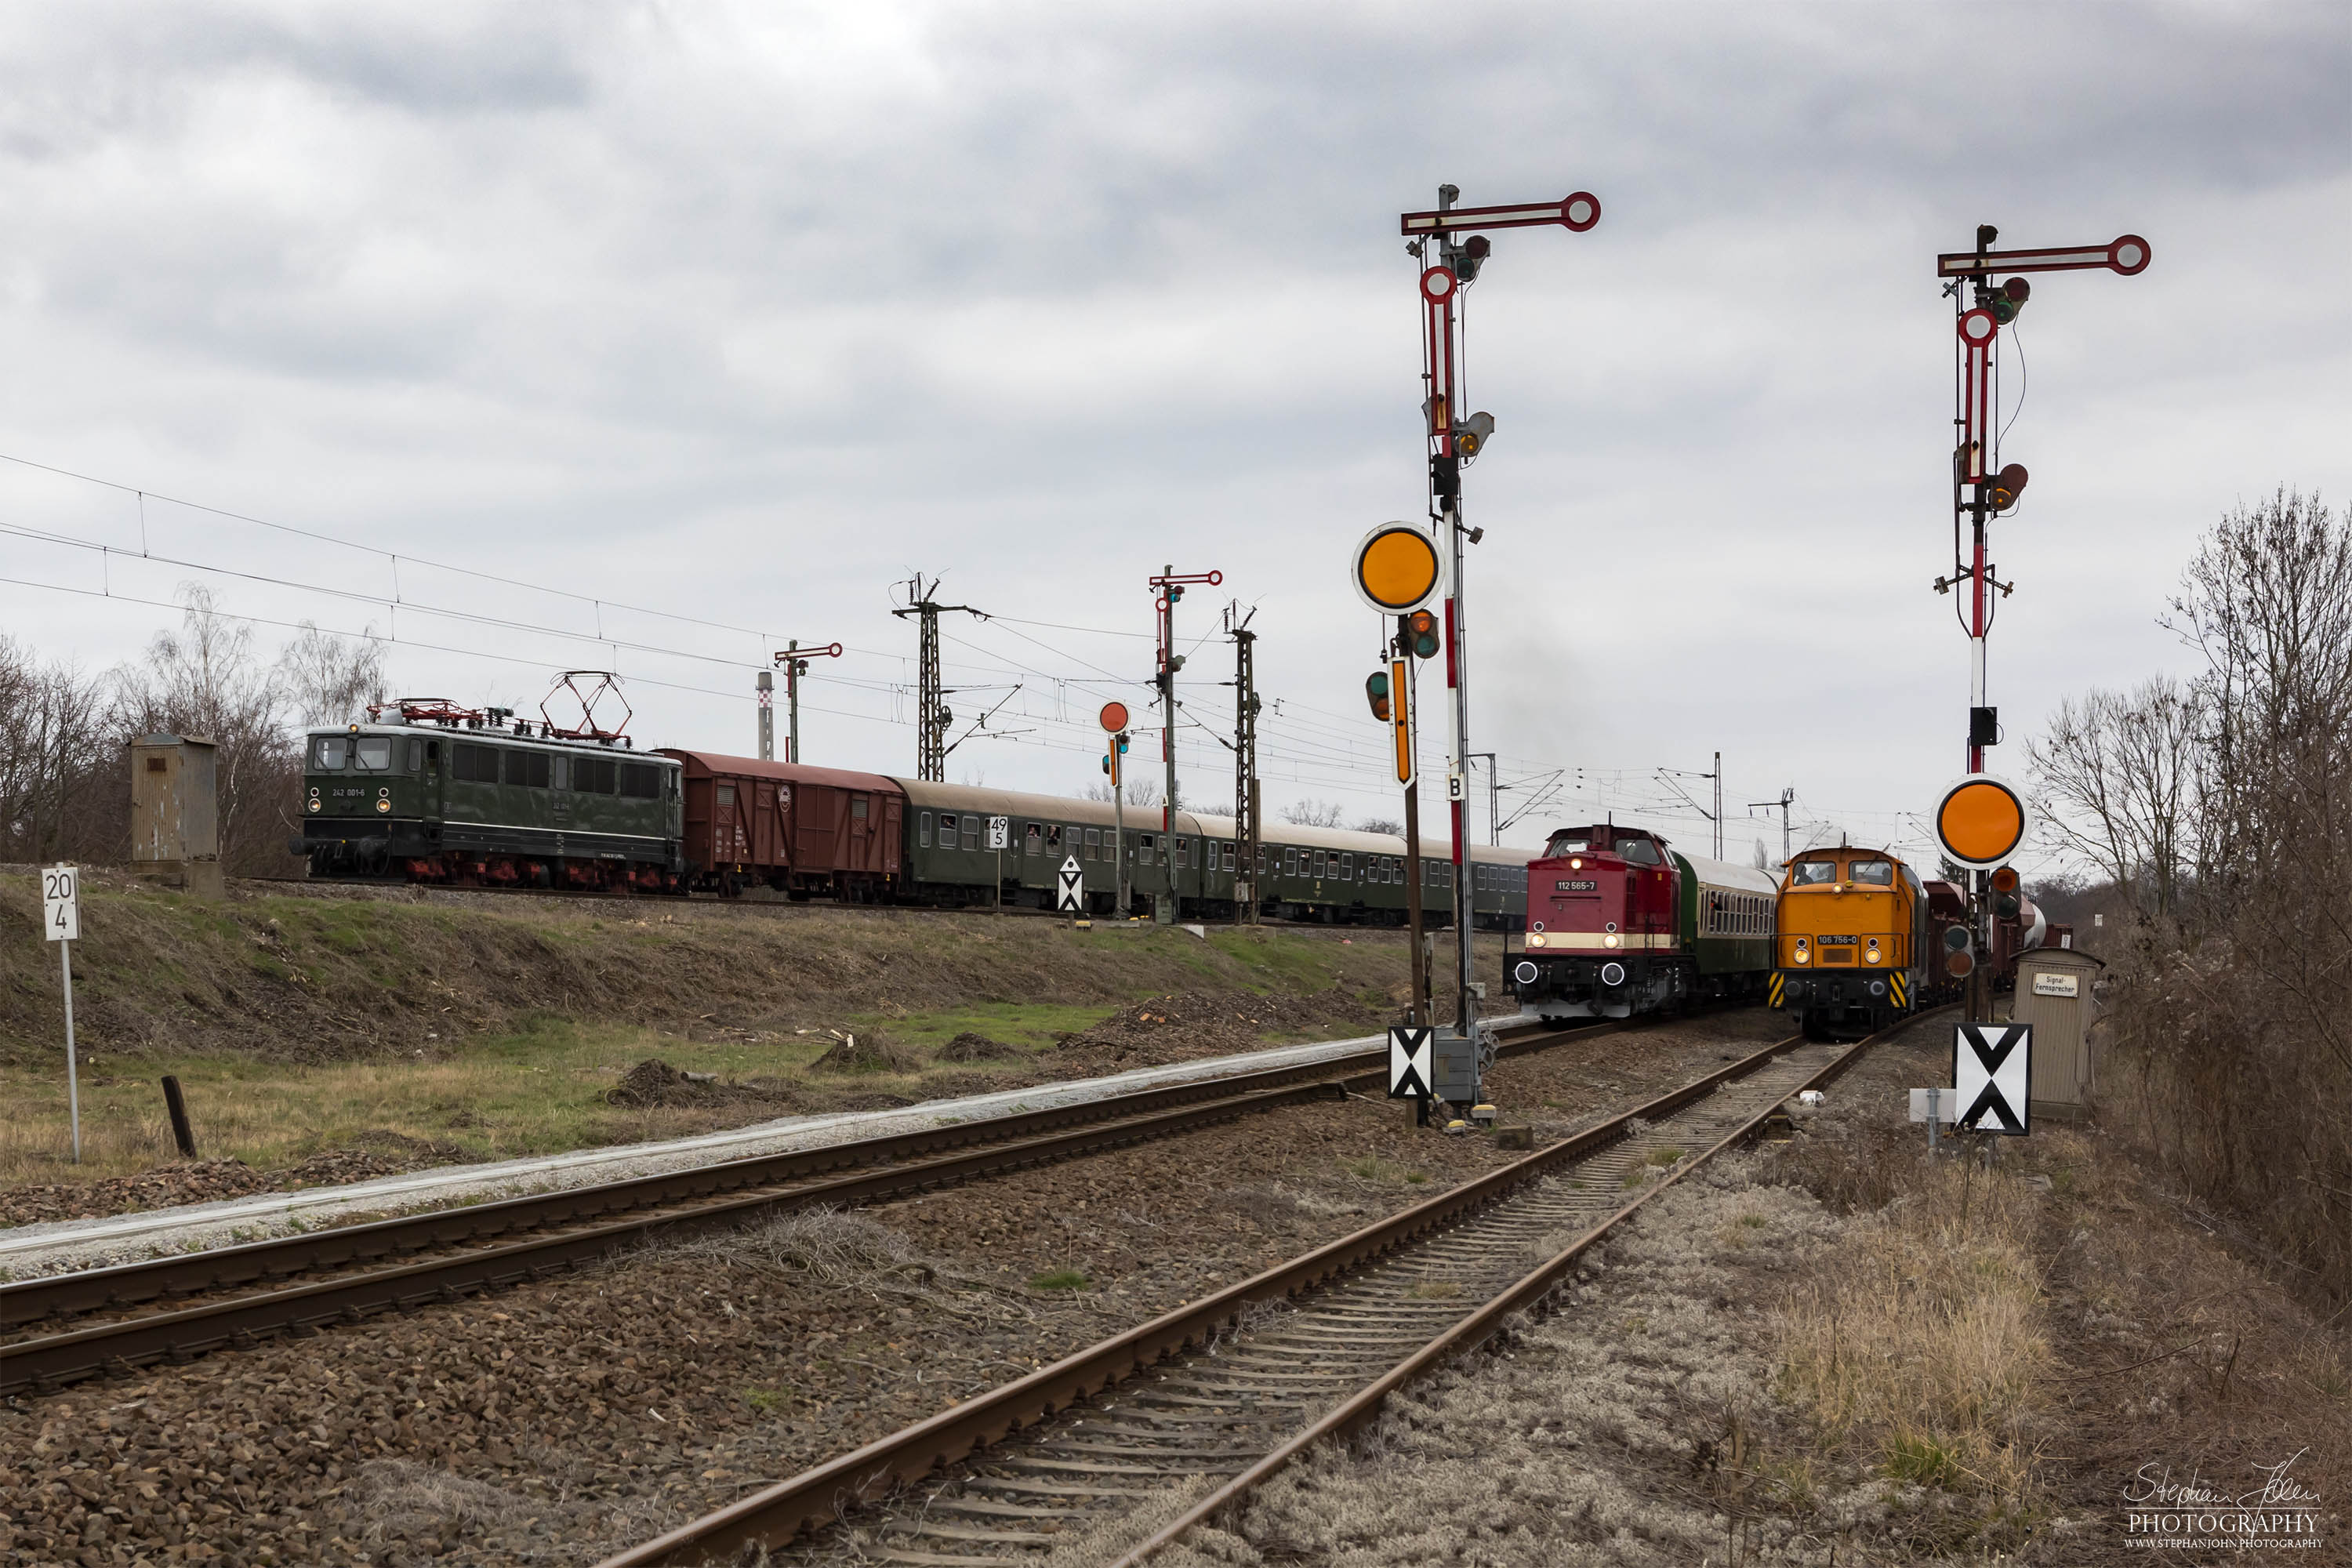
(1851, 952)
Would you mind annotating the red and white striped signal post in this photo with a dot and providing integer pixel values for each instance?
(1452, 257)
(1983, 486)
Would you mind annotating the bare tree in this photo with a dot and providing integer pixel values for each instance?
(2235, 1019)
(1313, 814)
(1387, 825)
(56, 759)
(2117, 779)
(1136, 791)
(331, 679)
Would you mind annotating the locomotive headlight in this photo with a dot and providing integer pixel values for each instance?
(383, 805)
(1535, 938)
(1803, 954)
(314, 802)
(1870, 954)
(1609, 941)
(1575, 863)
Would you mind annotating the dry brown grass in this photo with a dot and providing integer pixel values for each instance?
(1918, 1345)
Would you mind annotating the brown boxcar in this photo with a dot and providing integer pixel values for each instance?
(799, 830)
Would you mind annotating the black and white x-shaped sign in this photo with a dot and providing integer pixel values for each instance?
(1409, 1062)
(1992, 1068)
(1069, 892)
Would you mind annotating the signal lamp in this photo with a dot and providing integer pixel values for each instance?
(1478, 245)
(1376, 692)
(2007, 904)
(2009, 298)
(1473, 434)
(1956, 938)
(1959, 964)
(1417, 633)
(2005, 879)
(2006, 485)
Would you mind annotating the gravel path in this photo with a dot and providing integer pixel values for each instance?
(32, 1250)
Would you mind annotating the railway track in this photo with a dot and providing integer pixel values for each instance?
(1239, 1385)
(343, 1275)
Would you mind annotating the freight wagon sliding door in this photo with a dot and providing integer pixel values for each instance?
(859, 849)
(771, 843)
(816, 820)
(730, 845)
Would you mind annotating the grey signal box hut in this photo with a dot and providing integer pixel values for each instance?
(175, 812)
(2054, 994)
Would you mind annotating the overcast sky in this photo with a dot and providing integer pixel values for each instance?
(745, 313)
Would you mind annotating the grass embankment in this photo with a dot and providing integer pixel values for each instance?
(492, 1027)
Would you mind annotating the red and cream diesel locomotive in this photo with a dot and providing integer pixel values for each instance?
(1619, 923)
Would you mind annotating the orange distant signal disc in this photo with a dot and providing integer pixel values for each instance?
(1397, 568)
(1983, 820)
(1114, 717)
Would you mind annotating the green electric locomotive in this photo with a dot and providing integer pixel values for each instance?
(455, 796)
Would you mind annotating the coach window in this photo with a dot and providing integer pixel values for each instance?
(1867, 873)
(922, 829)
(1094, 842)
(1032, 838)
(858, 806)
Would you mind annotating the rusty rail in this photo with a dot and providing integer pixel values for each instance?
(564, 1229)
(772, 1517)
(1472, 1331)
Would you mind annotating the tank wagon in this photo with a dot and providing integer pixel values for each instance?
(1619, 922)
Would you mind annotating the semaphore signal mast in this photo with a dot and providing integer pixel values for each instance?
(1983, 820)
(1452, 257)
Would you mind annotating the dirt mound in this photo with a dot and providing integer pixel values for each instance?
(969, 1046)
(654, 1083)
(651, 1082)
(1188, 1025)
(865, 1053)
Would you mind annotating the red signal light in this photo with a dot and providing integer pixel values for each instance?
(2004, 881)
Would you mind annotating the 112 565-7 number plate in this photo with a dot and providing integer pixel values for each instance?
(1577, 887)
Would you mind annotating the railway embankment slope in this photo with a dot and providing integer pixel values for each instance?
(384, 1028)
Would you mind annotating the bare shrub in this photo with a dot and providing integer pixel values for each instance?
(2231, 1002)
(404, 1500)
(824, 1246)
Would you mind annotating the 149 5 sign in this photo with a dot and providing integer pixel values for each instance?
(1577, 887)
